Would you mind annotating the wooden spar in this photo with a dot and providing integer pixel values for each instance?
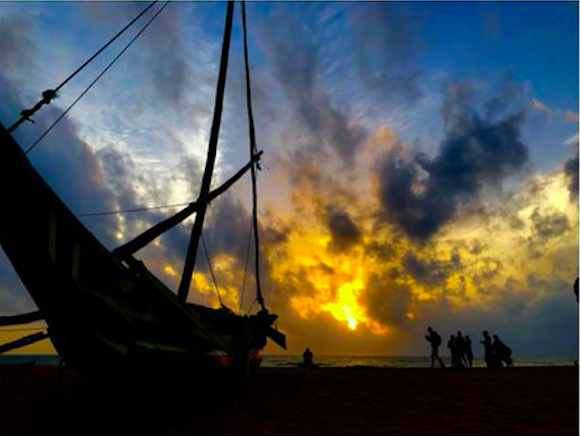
(149, 235)
(24, 318)
(276, 336)
(145, 238)
(22, 342)
(210, 162)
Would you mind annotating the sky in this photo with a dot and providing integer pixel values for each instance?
(420, 160)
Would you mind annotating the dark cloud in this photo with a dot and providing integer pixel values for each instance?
(417, 214)
(515, 222)
(422, 194)
(507, 97)
(571, 171)
(272, 232)
(227, 228)
(135, 187)
(549, 226)
(386, 301)
(293, 49)
(343, 230)
(189, 167)
(124, 177)
(15, 44)
(382, 250)
(477, 247)
(119, 168)
(171, 76)
(227, 231)
(489, 270)
(545, 227)
(387, 39)
(429, 271)
(305, 172)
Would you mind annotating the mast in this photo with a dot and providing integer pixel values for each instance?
(253, 151)
(210, 162)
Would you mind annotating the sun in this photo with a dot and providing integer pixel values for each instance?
(345, 307)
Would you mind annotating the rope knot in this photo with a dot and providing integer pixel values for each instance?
(48, 95)
(26, 114)
(258, 160)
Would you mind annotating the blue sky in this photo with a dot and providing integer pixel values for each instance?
(533, 42)
(432, 144)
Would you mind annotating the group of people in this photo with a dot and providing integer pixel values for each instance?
(496, 353)
(461, 352)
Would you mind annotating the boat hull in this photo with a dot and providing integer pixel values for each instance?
(106, 316)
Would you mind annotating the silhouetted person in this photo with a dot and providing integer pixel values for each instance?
(502, 352)
(452, 345)
(435, 340)
(468, 351)
(307, 357)
(460, 349)
(489, 354)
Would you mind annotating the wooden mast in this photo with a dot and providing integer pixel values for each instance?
(210, 162)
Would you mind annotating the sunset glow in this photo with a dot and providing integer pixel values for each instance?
(407, 179)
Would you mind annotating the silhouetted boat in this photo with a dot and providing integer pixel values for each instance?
(106, 313)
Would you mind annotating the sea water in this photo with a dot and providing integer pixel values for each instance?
(289, 361)
(397, 361)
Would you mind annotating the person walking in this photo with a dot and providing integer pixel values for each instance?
(502, 352)
(468, 351)
(489, 354)
(435, 340)
(460, 350)
(452, 345)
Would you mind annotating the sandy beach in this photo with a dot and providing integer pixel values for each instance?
(305, 401)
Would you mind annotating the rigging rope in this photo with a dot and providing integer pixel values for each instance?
(141, 209)
(253, 150)
(49, 94)
(97, 78)
(217, 289)
(252, 306)
(246, 268)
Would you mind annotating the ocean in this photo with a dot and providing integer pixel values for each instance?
(271, 361)
(396, 361)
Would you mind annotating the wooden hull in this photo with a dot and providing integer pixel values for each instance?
(104, 316)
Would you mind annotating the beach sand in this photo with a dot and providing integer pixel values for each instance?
(305, 401)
